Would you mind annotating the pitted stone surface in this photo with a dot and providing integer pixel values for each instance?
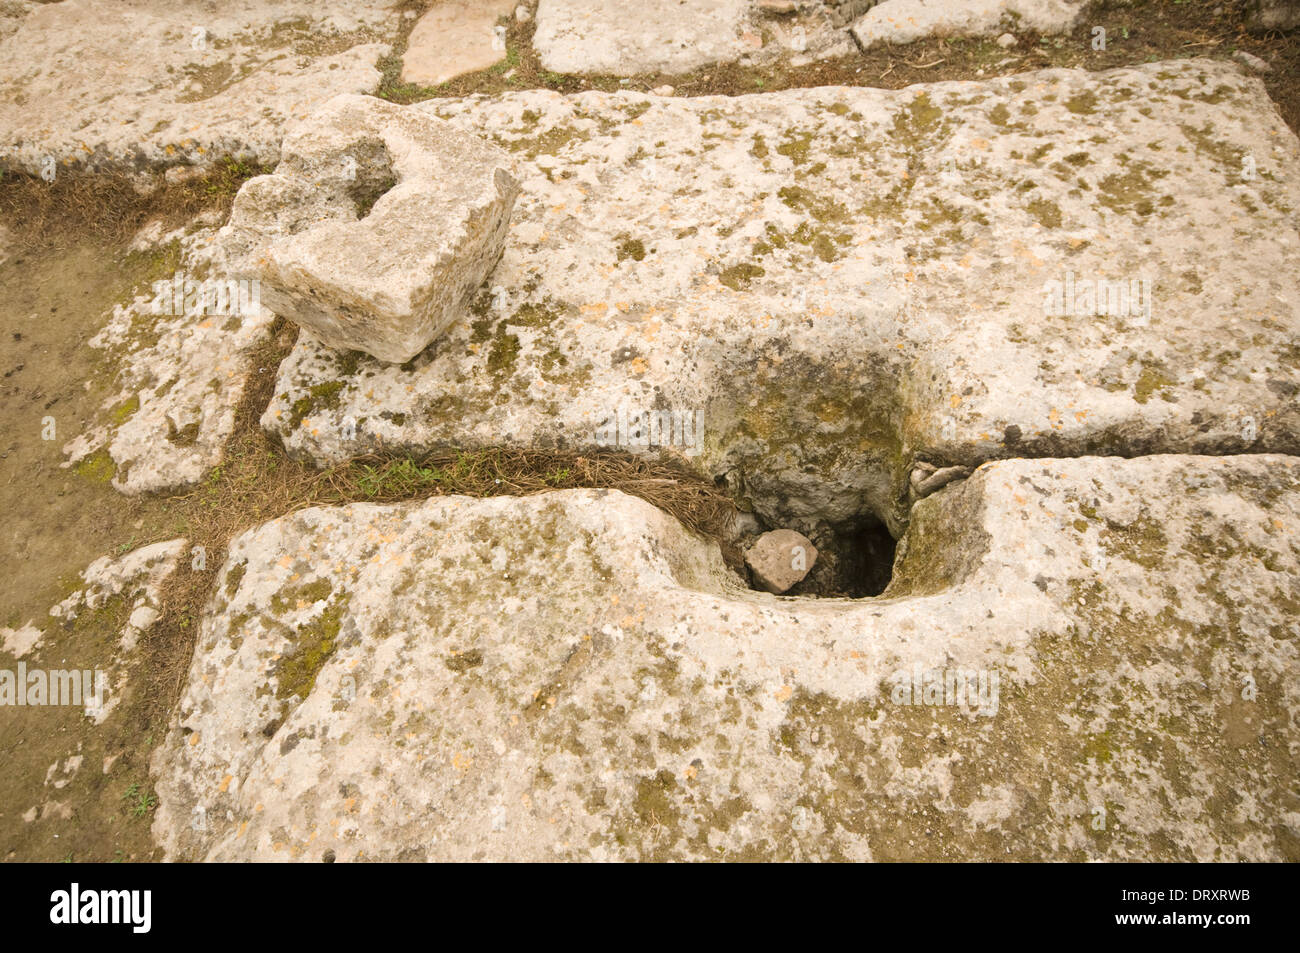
(573, 676)
(638, 36)
(904, 21)
(377, 226)
(166, 81)
(845, 281)
(12, 14)
(179, 370)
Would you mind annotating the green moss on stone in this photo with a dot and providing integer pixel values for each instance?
(631, 248)
(98, 467)
(738, 277)
(504, 353)
(319, 397)
(316, 642)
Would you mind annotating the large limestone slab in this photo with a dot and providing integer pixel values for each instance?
(904, 21)
(168, 81)
(376, 228)
(178, 360)
(454, 37)
(638, 36)
(574, 676)
(844, 282)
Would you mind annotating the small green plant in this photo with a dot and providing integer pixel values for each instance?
(139, 802)
(398, 477)
(509, 63)
(232, 172)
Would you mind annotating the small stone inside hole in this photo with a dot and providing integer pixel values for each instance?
(852, 560)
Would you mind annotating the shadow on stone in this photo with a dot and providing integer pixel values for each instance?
(374, 174)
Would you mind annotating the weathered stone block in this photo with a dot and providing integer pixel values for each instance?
(846, 283)
(377, 226)
(638, 36)
(453, 38)
(165, 81)
(575, 676)
(904, 21)
(1266, 15)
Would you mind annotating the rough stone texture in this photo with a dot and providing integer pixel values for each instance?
(800, 34)
(844, 282)
(177, 378)
(574, 676)
(105, 90)
(137, 577)
(12, 14)
(1267, 15)
(454, 37)
(904, 21)
(638, 36)
(780, 559)
(376, 228)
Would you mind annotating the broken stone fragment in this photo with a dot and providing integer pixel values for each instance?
(139, 578)
(904, 21)
(627, 37)
(377, 226)
(453, 38)
(1263, 16)
(1253, 62)
(926, 479)
(780, 559)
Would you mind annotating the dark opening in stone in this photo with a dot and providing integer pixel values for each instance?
(369, 169)
(855, 559)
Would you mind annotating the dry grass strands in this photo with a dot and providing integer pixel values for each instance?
(110, 207)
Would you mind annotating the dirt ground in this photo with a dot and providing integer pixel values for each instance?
(67, 264)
